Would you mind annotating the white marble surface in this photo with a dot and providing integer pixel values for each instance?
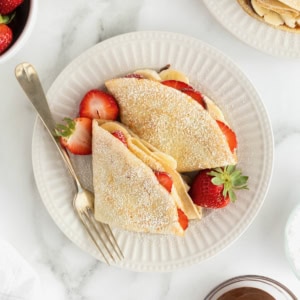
(63, 30)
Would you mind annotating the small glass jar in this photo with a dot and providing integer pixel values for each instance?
(269, 288)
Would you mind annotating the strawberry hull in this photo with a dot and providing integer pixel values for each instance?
(76, 135)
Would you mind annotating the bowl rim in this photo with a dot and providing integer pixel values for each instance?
(253, 278)
(19, 43)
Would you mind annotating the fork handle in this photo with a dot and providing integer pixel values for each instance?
(29, 81)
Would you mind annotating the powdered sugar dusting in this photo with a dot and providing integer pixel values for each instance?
(127, 193)
(171, 121)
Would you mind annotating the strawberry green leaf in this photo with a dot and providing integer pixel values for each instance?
(232, 196)
(231, 179)
(217, 181)
(230, 169)
(65, 130)
(214, 174)
(6, 19)
(240, 181)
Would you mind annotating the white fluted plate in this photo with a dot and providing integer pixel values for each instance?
(209, 71)
(253, 32)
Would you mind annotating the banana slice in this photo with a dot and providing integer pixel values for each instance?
(167, 159)
(148, 74)
(171, 74)
(289, 20)
(273, 18)
(295, 4)
(269, 16)
(214, 110)
(261, 11)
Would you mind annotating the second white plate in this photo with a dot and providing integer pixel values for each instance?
(210, 72)
(253, 32)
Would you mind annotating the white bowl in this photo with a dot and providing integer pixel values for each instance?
(292, 240)
(29, 9)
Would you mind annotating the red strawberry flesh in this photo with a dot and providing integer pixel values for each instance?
(76, 136)
(164, 179)
(97, 104)
(120, 135)
(175, 84)
(187, 89)
(182, 219)
(229, 134)
(196, 95)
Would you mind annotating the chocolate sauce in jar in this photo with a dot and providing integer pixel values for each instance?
(246, 293)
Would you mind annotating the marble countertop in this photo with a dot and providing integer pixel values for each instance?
(63, 30)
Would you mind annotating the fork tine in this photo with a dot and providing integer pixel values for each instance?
(96, 230)
(87, 228)
(112, 237)
(108, 234)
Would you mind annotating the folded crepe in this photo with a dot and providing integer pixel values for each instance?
(281, 14)
(128, 195)
(172, 122)
(295, 4)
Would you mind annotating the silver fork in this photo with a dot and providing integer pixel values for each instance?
(83, 201)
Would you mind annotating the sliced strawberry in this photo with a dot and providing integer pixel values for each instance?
(97, 104)
(187, 89)
(196, 95)
(175, 84)
(165, 180)
(229, 134)
(182, 219)
(133, 75)
(120, 135)
(76, 135)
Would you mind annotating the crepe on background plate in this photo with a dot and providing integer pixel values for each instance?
(127, 193)
(281, 14)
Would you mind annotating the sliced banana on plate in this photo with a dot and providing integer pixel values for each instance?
(148, 74)
(171, 74)
(214, 110)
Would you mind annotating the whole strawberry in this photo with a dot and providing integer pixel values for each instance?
(6, 37)
(8, 6)
(215, 188)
